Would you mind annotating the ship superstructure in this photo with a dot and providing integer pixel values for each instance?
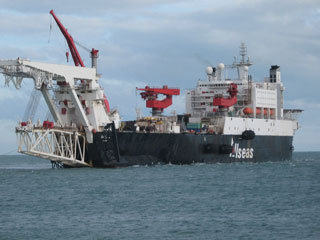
(232, 106)
(265, 99)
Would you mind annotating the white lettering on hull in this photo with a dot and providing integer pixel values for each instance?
(241, 153)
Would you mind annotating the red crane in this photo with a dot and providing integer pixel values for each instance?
(73, 49)
(75, 54)
(151, 97)
(229, 101)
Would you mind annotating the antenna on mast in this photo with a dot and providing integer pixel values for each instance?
(243, 52)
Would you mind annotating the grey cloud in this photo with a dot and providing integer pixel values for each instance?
(85, 8)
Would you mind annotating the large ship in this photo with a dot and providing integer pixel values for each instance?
(226, 120)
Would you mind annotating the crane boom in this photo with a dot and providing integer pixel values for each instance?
(73, 49)
(75, 54)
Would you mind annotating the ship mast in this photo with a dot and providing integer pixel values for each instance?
(243, 52)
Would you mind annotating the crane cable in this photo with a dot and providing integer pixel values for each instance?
(66, 50)
(50, 30)
(65, 42)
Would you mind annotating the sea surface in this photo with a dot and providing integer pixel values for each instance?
(271, 200)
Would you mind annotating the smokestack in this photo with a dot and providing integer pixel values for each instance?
(94, 58)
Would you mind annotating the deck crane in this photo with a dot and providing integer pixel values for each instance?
(71, 44)
(229, 101)
(73, 49)
(151, 97)
(75, 54)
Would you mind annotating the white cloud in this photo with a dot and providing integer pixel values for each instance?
(306, 104)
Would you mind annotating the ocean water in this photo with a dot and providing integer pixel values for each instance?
(272, 200)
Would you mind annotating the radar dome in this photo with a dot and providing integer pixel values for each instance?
(246, 68)
(221, 66)
(209, 70)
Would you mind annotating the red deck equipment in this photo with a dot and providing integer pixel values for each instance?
(229, 101)
(151, 97)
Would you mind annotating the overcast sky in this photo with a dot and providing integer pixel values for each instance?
(167, 43)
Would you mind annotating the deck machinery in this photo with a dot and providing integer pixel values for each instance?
(151, 97)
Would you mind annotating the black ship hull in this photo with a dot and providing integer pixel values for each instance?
(162, 148)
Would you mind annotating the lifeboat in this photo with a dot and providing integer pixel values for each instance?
(249, 111)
